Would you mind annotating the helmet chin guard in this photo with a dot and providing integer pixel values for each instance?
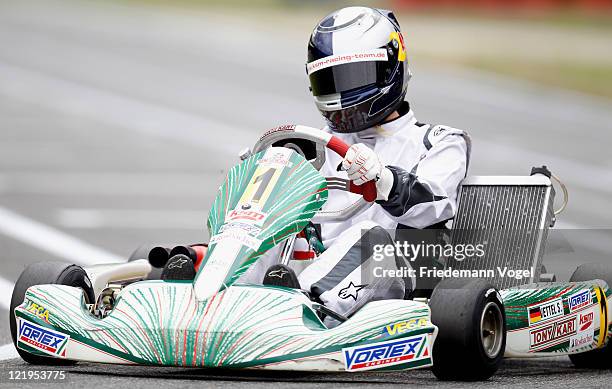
(357, 67)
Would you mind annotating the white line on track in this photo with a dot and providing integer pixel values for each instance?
(73, 98)
(8, 352)
(51, 240)
(47, 239)
(6, 290)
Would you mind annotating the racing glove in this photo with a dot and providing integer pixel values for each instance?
(363, 165)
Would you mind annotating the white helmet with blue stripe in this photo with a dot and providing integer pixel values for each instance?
(357, 67)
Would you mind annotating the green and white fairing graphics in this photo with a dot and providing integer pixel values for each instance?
(558, 318)
(264, 200)
(243, 326)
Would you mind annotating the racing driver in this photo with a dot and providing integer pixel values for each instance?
(359, 73)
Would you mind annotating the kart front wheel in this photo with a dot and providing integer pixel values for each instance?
(471, 320)
(600, 358)
(44, 273)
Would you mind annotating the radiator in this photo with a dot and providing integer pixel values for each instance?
(510, 216)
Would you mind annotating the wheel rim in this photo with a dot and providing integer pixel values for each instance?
(491, 329)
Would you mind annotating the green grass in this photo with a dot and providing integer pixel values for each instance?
(564, 18)
(593, 77)
(261, 5)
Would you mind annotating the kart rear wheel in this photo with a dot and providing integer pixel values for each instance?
(600, 358)
(43, 273)
(471, 320)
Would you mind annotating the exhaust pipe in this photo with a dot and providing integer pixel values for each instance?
(195, 252)
(159, 256)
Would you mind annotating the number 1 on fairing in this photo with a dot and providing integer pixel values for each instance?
(261, 186)
(264, 180)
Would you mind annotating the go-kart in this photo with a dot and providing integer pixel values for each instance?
(121, 314)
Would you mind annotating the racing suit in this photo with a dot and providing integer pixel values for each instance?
(428, 163)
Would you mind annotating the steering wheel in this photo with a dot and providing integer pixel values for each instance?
(289, 134)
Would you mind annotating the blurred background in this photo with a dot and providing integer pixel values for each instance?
(119, 119)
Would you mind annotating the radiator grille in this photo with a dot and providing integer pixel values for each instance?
(510, 220)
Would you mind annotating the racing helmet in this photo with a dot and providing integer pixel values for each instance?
(357, 67)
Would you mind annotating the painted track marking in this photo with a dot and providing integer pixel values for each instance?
(51, 240)
(47, 239)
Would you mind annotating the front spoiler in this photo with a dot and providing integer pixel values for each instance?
(244, 326)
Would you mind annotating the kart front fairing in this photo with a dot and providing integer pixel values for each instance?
(214, 322)
(244, 326)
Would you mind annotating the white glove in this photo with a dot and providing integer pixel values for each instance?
(363, 165)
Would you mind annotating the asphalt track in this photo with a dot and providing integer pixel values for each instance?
(117, 125)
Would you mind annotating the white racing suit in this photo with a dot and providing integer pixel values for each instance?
(428, 163)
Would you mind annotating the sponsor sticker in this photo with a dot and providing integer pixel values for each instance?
(553, 333)
(581, 340)
(405, 326)
(248, 228)
(546, 311)
(586, 330)
(384, 354)
(276, 157)
(586, 321)
(43, 339)
(340, 59)
(38, 311)
(237, 235)
(252, 216)
(580, 300)
(286, 127)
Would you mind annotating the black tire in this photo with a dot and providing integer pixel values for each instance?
(41, 274)
(463, 309)
(601, 358)
(142, 252)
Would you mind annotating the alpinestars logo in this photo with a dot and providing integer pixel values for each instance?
(351, 290)
(279, 273)
(384, 354)
(177, 264)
